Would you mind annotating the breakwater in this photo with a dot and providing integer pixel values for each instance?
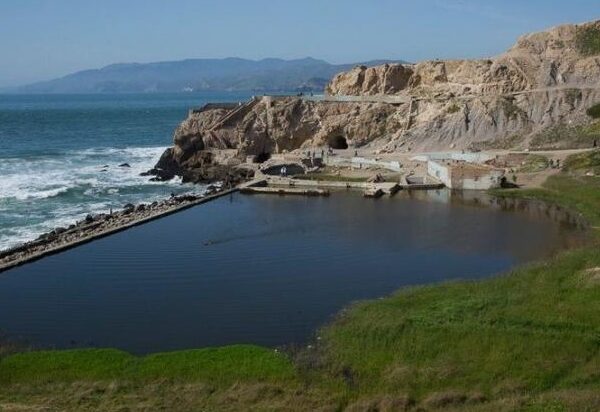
(103, 224)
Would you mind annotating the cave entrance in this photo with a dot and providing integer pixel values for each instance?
(261, 157)
(337, 142)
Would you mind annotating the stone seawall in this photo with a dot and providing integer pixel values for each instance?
(98, 226)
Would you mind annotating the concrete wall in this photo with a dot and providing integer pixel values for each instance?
(484, 182)
(478, 157)
(439, 171)
(360, 162)
(465, 177)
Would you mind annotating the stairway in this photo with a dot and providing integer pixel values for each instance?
(235, 114)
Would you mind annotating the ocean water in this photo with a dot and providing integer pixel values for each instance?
(60, 155)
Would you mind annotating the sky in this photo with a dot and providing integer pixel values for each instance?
(44, 39)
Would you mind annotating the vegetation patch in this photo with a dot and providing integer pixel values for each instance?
(534, 163)
(594, 111)
(453, 108)
(587, 40)
(574, 192)
(583, 163)
(572, 96)
(223, 365)
(567, 137)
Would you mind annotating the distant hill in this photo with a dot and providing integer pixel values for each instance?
(231, 74)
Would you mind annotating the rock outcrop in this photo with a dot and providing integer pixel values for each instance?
(546, 80)
(363, 80)
(552, 58)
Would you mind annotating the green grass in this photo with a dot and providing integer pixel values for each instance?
(578, 193)
(583, 163)
(535, 163)
(587, 40)
(535, 329)
(528, 341)
(223, 365)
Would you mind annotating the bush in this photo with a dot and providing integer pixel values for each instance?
(594, 111)
(583, 162)
(588, 41)
(453, 108)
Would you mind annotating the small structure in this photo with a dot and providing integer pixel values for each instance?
(463, 175)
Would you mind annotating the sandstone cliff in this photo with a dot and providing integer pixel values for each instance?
(563, 56)
(547, 80)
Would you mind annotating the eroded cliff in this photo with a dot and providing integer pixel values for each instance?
(547, 80)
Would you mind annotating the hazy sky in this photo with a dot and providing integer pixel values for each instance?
(42, 39)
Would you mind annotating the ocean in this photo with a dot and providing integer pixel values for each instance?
(60, 155)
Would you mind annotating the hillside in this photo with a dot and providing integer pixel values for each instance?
(235, 74)
(541, 94)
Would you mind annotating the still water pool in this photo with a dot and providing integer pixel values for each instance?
(265, 269)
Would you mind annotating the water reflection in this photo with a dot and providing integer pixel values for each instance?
(267, 269)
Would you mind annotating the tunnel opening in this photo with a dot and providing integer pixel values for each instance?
(337, 142)
(261, 157)
(289, 169)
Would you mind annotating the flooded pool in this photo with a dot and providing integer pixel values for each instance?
(266, 269)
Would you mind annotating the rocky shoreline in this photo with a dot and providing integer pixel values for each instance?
(104, 224)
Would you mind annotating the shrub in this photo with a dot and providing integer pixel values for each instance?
(453, 108)
(594, 111)
(587, 40)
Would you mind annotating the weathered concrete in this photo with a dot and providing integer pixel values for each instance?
(360, 162)
(386, 187)
(285, 191)
(465, 176)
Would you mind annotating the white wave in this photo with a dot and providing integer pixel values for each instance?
(43, 193)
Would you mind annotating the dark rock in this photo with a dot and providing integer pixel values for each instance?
(140, 208)
(89, 219)
(166, 168)
(124, 165)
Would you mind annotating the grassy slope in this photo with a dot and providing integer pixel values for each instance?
(529, 340)
(221, 366)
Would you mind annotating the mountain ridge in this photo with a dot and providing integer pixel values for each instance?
(211, 74)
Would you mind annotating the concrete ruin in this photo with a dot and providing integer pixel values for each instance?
(461, 175)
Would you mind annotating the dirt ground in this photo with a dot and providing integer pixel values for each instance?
(513, 162)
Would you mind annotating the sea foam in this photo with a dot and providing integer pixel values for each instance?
(39, 193)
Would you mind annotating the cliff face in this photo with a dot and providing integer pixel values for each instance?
(546, 80)
(273, 125)
(557, 57)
